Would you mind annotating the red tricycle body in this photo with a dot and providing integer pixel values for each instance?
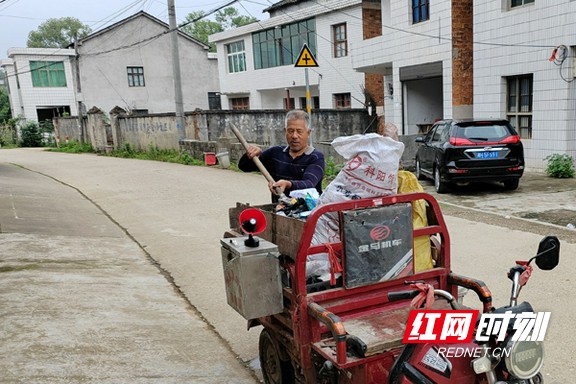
(351, 332)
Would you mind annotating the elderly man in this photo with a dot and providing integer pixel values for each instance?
(293, 167)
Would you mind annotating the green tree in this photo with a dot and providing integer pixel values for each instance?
(227, 18)
(5, 114)
(57, 33)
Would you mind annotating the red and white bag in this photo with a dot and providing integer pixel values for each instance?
(371, 170)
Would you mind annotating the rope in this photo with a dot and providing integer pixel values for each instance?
(335, 266)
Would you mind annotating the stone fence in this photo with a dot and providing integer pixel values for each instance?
(209, 131)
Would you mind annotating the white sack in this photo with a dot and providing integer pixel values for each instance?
(371, 170)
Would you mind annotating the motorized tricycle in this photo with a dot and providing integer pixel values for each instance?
(357, 326)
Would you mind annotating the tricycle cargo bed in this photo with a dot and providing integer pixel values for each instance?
(283, 231)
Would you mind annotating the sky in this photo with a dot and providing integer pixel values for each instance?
(19, 17)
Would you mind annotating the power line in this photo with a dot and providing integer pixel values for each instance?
(169, 30)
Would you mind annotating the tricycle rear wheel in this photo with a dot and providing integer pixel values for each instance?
(274, 369)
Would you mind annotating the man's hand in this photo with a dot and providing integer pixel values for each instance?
(282, 185)
(253, 151)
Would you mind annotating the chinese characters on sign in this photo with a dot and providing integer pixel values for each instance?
(446, 326)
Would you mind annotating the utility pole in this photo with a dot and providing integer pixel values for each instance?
(78, 90)
(176, 70)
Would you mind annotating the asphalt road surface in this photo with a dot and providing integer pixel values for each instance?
(139, 242)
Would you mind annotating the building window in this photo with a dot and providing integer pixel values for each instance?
(420, 11)
(519, 104)
(48, 74)
(340, 40)
(236, 57)
(341, 100)
(240, 103)
(214, 102)
(135, 76)
(518, 3)
(291, 106)
(314, 102)
(281, 46)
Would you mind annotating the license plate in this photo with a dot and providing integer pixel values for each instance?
(487, 155)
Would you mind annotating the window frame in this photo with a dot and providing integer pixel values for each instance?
(281, 45)
(135, 75)
(517, 99)
(420, 11)
(48, 74)
(239, 103)
(340, 44)
(520, 3)
(343, 100)
(236, 56)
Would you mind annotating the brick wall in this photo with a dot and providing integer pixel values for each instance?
(372, 27)
(462, 53)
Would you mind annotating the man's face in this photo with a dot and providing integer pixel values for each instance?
(297, 135)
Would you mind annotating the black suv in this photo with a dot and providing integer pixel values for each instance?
(470, 151)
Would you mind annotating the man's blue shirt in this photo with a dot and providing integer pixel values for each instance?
(305, 171)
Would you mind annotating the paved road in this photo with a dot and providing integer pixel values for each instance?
(176, 214)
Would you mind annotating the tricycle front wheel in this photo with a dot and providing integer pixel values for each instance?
(274, 369)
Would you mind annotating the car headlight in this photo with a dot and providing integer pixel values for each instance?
(524, 358)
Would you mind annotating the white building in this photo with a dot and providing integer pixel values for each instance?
(256, 61)
(514, 78)
(129, 64)
(40, 82)
(509, 73)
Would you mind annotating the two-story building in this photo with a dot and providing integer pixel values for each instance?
(257, 61)
(129, 64)
(40, 82)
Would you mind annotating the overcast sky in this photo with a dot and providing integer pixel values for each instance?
(19, 17)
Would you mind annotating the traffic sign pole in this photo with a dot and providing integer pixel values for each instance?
(306, 59)
(309, 105)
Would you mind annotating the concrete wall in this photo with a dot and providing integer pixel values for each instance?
(207, 131)
(265, 127)
(67, 127)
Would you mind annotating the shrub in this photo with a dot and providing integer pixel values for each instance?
(31, 135)
(7, 135)
(560, 165)
(331, 170)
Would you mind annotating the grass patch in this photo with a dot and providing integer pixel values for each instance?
(72, 146)
(18, 268)
(156, 154)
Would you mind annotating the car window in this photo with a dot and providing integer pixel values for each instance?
(430, 135)
(483, 132)
(444, 133)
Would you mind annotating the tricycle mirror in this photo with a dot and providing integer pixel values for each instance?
(548, 253)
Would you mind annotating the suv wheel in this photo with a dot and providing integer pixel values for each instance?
(418, 171)
(439, 185)
(512, 184)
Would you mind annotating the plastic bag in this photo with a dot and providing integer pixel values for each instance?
(371, 170)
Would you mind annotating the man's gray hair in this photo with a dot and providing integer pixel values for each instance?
(297, 114)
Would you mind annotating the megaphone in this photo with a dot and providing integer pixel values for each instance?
(252, 222)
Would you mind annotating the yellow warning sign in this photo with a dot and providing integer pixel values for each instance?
(306, 58)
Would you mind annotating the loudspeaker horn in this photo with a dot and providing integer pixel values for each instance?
(252, 222)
